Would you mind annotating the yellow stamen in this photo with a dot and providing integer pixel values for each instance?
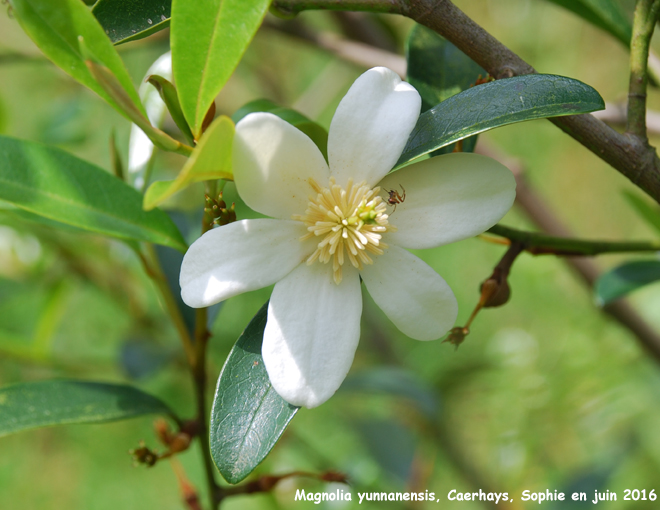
(351, 221)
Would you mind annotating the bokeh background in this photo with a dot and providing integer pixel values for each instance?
(545, 393)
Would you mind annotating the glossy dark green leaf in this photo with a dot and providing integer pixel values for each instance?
(208, 40)
(650, 212)
(54, 184)
(69, 35)
(626, 278)
(128, 20)
(32, 405)
(248, 415)
(439, 70)
(496, 104)
(316, 132)
(605, 14)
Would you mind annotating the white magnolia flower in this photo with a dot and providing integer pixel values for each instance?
(332, 224)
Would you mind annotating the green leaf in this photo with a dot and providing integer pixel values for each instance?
(32, 405)
(248, 415)
(168, 94)
(208, 40)
(626, 278)
(651, 213)
(69, 35)
(52, 183)
(439, 70)
(128, 20)
(317, 133)
(211, 159)
(605, 14)
(496, 104)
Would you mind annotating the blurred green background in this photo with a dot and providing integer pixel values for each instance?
(546, 392)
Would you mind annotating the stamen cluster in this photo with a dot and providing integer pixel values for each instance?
(350, 221)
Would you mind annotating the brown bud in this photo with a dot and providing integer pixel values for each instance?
(494, 293)
(208, 118)
(180, 442)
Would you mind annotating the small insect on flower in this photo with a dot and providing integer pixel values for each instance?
(395, 197)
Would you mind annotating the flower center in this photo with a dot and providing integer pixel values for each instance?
(350, 223)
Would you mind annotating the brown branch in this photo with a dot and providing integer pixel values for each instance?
(544, 218)
(627, 153)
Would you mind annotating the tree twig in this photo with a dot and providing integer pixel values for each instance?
(544, 218)
(542, 244)
(646, 15)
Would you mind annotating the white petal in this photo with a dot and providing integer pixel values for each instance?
(414, 297)
(242, 256)
(312, 332)
(371, 126)
(448, 198)
(273, 162)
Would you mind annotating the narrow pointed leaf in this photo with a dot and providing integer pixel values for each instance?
(26, 406)
(168, 94)
(439, 70)
(54, 184)
(210, 160)
(128, 20)
(496, 104)
(315, 131)
(248, 415)
(626, 278)
(68, 34)
(112, 86)
(209, 38)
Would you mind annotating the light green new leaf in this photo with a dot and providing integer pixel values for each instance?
(54, 184)
(605, 14)
(128, 20)
(496, 104)
(210, 160)
(626, 278)
(168, 94)
(68, 34)
(248, 415)
(208, 40)
(26, 406)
